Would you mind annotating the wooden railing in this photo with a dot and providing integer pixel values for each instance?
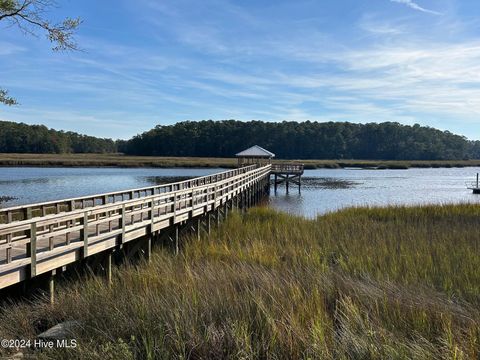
(287, 168)
(44, 242)
(24, 212)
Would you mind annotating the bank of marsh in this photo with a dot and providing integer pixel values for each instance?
(376, 283)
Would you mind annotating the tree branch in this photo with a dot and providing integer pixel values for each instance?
(5, 99)
(31, 12)
(29, 15)
(15, 12)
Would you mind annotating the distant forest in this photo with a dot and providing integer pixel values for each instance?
(23, 138)
(305, 140)
(288, 140)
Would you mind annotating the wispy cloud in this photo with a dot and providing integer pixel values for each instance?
(415, 6)
(7, 48)
(243, 62)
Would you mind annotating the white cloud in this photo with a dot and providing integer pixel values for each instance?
(7, 48)
(415, 6)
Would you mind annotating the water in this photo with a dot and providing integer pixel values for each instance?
(328, 190)
(322, 190)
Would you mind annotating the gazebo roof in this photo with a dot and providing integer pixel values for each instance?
(255, 151)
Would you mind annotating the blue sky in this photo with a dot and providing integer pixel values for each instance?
(149, 62)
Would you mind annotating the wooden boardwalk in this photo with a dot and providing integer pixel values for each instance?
(41, 238)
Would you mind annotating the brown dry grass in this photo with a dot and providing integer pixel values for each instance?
(119, 160)
(382, 283)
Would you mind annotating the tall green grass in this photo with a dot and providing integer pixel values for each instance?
(380, 283)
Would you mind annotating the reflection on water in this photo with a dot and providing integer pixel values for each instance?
(322, 190)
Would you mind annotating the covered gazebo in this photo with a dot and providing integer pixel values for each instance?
(254, 155)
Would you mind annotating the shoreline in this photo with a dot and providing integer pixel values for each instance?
(122, 161)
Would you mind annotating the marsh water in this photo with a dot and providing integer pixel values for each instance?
(322, 191)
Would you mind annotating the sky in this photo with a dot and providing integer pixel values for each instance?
(150, 62)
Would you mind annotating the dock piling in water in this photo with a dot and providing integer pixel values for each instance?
(475, 187)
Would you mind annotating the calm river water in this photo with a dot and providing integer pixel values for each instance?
(322, 190)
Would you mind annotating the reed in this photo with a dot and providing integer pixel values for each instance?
(119, 160)
(370, 283)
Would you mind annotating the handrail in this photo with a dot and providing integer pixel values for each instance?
(26, 211)
(287, 167)
(108, 206)
(43, 238)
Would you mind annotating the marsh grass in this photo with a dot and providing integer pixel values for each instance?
(396, 283)
(328, 183)
(120, 160)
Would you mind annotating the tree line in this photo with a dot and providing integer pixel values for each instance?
(305, 140)
(23, 138)
(288, 140)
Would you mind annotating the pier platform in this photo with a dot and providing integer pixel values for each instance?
(287, 173)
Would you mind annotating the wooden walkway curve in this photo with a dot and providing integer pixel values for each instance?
(40, 238)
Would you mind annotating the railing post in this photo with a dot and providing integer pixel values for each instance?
(122, 224)
(174, 208)
(32, 250)
(152, 214)
(28, 213)
(215, 196)
(192, 199)
(9, 239)
(84, 234)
